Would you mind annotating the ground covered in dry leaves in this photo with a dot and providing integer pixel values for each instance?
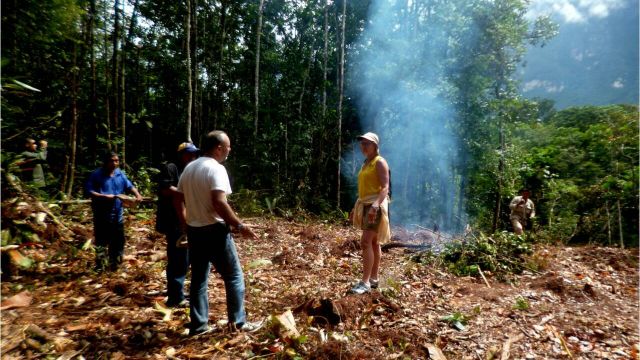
(582, 303)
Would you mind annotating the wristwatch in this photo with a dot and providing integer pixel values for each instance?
(240, 226)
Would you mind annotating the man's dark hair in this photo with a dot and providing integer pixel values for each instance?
(212, 140)
(107, 157)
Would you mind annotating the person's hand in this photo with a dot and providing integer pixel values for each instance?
(138, 198)
(373, 212)
(246, 231)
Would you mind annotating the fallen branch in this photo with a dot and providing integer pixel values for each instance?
(506, 348)
(483, 278)
(397, 244)
(562, 340)
(61, 226)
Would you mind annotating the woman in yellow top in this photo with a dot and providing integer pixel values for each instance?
(370, 212)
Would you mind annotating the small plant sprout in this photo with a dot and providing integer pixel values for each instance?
(521, 304)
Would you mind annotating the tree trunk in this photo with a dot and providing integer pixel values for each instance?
(498, 204)
(123, 122)
(606, 205)
(126, 40)
(319, 135)
(190, 88)
(218, 111)
(620, 225)
(93, 112)
(325, 56)
(256, 89)
(195, 107)
(341, 96)
(73, 131)
(107, 97)
(115, 94)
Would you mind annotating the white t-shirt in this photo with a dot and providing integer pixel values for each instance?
(198, 179)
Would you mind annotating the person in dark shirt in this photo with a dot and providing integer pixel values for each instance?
(168, 224)
(106, 187)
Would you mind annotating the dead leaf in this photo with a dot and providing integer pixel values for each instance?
(287, 325)
(164, 310)
(78, 327)
(434, 352)
(18, 300)
(19, 260)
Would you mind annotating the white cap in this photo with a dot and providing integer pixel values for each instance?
(371, 137)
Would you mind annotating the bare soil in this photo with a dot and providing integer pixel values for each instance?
(582, 303)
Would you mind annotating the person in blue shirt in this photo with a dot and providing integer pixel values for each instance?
(105, 187)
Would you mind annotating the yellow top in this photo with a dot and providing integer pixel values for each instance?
(368, 181)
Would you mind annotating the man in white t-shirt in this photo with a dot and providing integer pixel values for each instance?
(204, 185)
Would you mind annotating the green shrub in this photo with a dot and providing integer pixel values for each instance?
(501, 253)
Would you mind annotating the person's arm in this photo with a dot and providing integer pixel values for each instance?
(222, 208)
(136, 193)
(94, 192)
(165, 182)
(533, 210)
(181, 210)
(42, 152)
(27, 157)
(97, 195)
(382, 170)
(514, 203)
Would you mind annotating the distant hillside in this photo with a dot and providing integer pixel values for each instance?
(595, 62)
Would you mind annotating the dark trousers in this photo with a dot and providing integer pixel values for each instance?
(109, 235)
(208, 245)
(177, 267)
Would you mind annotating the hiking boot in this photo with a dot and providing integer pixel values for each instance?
(204, 331)
(360, 288)
(374, 283)
(248, 326)
(183, 304)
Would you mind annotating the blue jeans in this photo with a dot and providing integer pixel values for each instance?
(213, 244)
(177, 267)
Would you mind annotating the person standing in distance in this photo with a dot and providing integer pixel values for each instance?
(371, 211)
(208, 217)
(522, 209)
(168, 224)
(32, 161)
(104, 186)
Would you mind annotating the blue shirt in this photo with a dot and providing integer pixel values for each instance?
(102, 183)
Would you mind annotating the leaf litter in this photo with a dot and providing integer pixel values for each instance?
(581, 304)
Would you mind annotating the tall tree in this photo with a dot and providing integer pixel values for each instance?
(341, 97)
(256, 88)
(189, 79)
(115, 71)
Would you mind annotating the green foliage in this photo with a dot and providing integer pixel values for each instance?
(585, 163)
(521, 304)
(143, 177)
(457, 320)
(247, 202)
(502, 253)
(580, 163)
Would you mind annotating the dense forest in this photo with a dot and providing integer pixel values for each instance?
(293, 83)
